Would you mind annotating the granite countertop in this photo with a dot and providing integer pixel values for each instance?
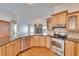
(68, 38)
(2, 42)
(73, 39)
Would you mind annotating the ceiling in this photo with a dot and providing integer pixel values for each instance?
(27, 13)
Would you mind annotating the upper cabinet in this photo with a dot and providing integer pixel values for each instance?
(73, 22)
(62, 18)
(54, 20)
(57, 19)
(49, 23)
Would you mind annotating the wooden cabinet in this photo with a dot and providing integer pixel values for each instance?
(47, 42)
(54, 20)
(73, 22)
(49, 24)
(42, 41)
(25, 43)
(36, 40)
(69, 48)
(31, 41)
(13, 48)
(2, 50)
(16, 47)
(9, 49)
(77, 49)
(57, 19)
(62, 18)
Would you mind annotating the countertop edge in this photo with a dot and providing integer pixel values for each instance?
(21, 38)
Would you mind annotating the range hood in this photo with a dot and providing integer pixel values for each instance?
(59, 26)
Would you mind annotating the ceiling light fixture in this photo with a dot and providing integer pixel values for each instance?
(30, 3)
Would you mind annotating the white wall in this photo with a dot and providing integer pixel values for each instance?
(71, 7)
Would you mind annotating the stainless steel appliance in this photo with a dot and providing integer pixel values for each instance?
(57, 46)
(57, 42)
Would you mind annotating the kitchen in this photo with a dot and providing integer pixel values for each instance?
(59, 31)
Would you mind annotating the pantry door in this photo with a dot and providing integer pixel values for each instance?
(4, 31)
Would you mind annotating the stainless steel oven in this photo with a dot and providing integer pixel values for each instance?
(57, 45)
(57, 42)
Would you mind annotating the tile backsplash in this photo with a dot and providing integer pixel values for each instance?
(73, 35)
(60, 30)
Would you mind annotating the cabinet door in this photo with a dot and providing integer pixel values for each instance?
(69, 48)
(36, 40)
(54, 21)
(2, 50)
(78, 23)
(49, 24)
(13, 48)
(73, 22)
(23, 44)
(62, 18)
(16, 47)
(31, 41)
(77, 50)
(27, 43)
(9, 49)
(42, 41)
(47, 42)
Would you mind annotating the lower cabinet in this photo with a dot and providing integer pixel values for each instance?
(16, 47)
(48, 42)
(71, 48)
(36, 41)
(2, 50)
(9, 49)
(13, 48)
(25, 43)
(40, 41)
(31, 41)
(78, 50)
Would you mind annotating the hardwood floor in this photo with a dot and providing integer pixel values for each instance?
(38, 51)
